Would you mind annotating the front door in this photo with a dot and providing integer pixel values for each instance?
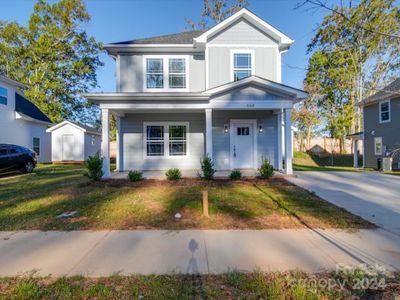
(242, 146)
(68, 147)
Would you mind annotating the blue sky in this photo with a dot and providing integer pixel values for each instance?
(119, 20)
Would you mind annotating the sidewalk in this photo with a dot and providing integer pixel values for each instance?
(103, 253)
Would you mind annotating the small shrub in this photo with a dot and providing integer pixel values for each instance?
(207, 167)
(94, 165)
(235, 175)
(135, 175)
(266, 170)
(173, 174)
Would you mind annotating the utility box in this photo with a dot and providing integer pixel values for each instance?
(387, 164)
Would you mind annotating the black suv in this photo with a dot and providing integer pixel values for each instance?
(13, 157)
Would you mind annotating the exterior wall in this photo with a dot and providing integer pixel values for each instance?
(221, 70)
(131, 72)
(388, 131)
(242, 32)
(78, 153)
(133, 142)
(21, 132)
(91, 150)
(267, 145)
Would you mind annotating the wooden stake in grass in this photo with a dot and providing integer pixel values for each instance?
(205, 203)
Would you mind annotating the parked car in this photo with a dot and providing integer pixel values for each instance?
(13, 157)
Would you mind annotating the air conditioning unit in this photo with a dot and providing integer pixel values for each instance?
(387, 164)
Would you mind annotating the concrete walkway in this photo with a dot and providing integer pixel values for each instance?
(373, 196)
(103, 253)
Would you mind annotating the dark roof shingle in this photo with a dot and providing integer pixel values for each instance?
(26, 107)
(185, 37)
(393, 89)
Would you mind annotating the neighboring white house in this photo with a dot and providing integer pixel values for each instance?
(73, 142)
(217, 92)
(21, 122)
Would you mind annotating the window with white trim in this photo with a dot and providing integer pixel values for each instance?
(166, 73)
(154, 73)
(3, 95)
(378, 145)
(177, 73)
(166, 140)
(242, 65)
(384, 111)
(36, 145)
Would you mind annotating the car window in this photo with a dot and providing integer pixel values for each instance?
(3, 152)
(14, 150)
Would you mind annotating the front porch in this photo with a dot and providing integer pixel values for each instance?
(234, 139)
(237, 124)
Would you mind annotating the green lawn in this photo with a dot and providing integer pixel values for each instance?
(306, 162)
(33, 201)
(233, 285)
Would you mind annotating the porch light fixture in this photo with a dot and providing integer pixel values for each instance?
(260, 128)
(226, 128)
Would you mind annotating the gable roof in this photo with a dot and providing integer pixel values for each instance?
(185, 37)
(200, 37)
(27, 108)
(393, 89)
(262, 82)
(283, 40)
(84, 128)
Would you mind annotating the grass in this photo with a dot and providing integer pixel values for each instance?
(34, 201)
(233, 285)
(341, 162)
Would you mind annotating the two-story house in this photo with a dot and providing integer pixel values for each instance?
(21, 122)
(381, 113)
(216, 92)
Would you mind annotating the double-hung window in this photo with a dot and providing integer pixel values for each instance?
(166, 140)
(36, 145)
(154, 73)
(166, 73)
(3, 95)
(384, 111)
(243, 64)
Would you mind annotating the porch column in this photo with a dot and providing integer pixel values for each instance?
(105, 141)
(355, 154)
(288, 141)
(279, 137)
(118, 159)
(209, 144)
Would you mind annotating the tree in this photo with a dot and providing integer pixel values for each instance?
(215, 11)
(354, 52)
(306, 117)
(54, 57)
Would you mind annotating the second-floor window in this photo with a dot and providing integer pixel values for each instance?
(166, 73)
(243, 64)
(3, 95)
(384, 111)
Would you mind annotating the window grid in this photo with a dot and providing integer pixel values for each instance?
(384, 111)
(242, 65)
(154, 75)
(171, 141)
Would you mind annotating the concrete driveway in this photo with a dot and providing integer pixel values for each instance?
(373, 196)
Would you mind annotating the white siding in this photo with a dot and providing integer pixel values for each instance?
(242, 32)
(21, 132)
